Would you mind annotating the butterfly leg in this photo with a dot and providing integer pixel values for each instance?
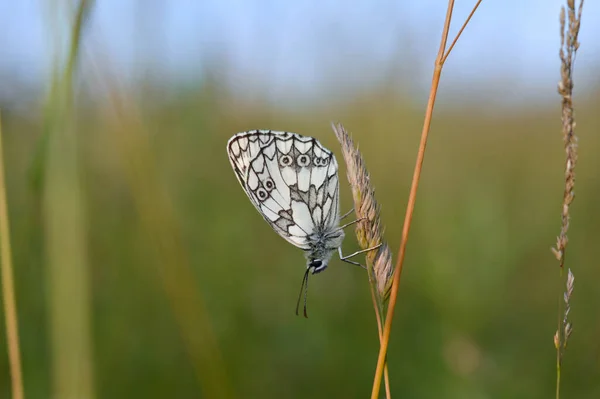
(350, 261)
(347, 257)
(352, 222)
(345, 215)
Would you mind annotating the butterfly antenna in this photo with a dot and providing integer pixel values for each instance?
(306, 293)
(304, 284)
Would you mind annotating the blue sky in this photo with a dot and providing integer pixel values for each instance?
(305, 49)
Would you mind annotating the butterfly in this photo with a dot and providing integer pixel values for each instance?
(292, 180)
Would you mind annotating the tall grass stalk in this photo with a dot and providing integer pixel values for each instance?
(369, 231)
(8, 288)
(159, 223)
(66, 227)
(570, 20)
(441, 57)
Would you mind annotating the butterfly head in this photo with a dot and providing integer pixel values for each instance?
(317, 265)
(318, 257)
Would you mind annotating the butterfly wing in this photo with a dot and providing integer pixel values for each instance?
(292, 181)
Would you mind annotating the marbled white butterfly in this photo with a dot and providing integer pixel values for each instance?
(292, 180)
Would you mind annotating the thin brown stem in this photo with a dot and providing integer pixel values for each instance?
(411, 205)
(8, 289)
(369, 231)
(461, 31)
(386, 376)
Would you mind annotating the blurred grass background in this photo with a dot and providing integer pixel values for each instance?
(192, 295)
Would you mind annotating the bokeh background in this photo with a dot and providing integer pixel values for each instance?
(142, 270)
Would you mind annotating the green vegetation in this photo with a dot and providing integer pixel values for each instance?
(191, 292)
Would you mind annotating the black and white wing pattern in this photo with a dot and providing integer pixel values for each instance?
(292, 180)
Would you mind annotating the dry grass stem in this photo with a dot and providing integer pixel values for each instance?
(570, 21)
(369, 231)
(462, 28)
(379, 317)
(8, 289)
(439, 63)
(159, 223)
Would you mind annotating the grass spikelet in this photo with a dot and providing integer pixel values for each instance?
(570, 21)
(369, 231)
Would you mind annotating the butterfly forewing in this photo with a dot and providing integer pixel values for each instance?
(292, 181)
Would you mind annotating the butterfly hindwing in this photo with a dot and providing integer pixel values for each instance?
(292, 181)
